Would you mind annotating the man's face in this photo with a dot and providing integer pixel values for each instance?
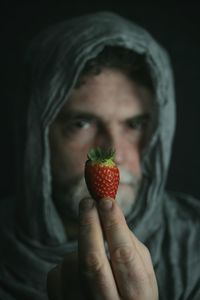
(108, 110)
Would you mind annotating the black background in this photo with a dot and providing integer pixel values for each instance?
(175, 26)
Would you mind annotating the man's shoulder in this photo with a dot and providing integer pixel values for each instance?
(179, 254)
(182, 207)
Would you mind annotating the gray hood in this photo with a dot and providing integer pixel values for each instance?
(55, 59)
(55, 65)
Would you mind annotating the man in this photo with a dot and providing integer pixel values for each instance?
(99, 80)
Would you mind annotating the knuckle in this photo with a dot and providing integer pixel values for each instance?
(93, 263)
(86, 220)
(146, 253)
(122, 254)
(112, 224)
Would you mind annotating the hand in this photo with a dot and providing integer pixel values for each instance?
(128, 273)
(124, 271)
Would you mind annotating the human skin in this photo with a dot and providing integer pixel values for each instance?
(108, 111)
(127, 273)
(117, 107)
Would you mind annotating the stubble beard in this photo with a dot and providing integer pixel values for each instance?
(67, 197)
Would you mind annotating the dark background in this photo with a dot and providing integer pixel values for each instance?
(175, 26)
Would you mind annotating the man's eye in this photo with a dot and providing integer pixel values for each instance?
(81, 124)
(77, 125)
(138, 124)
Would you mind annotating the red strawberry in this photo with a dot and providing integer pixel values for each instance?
(101, 174)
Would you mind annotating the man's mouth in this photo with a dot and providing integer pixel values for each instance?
(123, 185)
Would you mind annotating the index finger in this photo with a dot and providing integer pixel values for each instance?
(94, 264)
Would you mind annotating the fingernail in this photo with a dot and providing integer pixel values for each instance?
(105, 204)
(86, 203)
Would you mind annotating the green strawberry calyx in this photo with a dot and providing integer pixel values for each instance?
(102, 156)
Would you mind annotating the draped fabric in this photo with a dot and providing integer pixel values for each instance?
(33, 239)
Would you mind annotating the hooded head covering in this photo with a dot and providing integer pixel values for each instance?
(36, 236)
(56, 59)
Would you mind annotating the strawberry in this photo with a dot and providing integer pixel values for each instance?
(101, 174)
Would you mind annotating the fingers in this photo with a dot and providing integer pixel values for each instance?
(130, 259)
(130, 274)
(94, 264)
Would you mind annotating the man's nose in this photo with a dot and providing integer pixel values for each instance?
(117, 141)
